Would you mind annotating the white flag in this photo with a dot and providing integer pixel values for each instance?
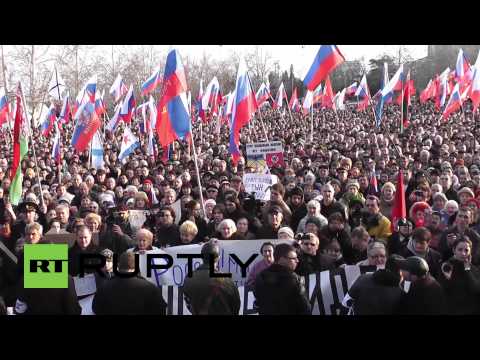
(129, 144)
(97, 151)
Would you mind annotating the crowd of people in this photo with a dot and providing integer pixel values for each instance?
(334, 200)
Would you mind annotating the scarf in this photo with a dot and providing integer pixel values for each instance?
(411, 247)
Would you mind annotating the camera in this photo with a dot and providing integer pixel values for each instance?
(447, 267)
(302, 237)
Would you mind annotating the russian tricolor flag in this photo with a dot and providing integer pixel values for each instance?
(99, 104)
(363, 92)
(49, 121)
(307, 102)
(91, 88)
(173, 117)
(65, 112)
(3, 106)
(244, 106)
(475, 89)
(152, 82)
(128, 106)
(387, 92)
(454, 103)
(462, 68)
(114, 120)
(209, 99)
(327, 59)
(351, 90)
(118, 88)
(262, 94)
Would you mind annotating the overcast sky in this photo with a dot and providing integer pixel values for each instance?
(301, 56)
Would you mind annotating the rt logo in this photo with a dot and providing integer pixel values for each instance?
(45, 266)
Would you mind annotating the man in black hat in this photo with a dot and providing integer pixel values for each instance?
(423, 295)
(29, 213)
(207, 295)
(274, 223)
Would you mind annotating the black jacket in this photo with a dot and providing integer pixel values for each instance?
(355, 256)
(129, 296)
(327, 210)
(278, 291)
(462, 290)
(267, 232)
(310, 264)
(376, 294)
(298, 214)
(425, 297)
(395, 244)
(74, 255)
(167, 235)
(207, 295)
(51, 301)
(117, 243)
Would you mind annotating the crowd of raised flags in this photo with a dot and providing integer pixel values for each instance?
(171, 118)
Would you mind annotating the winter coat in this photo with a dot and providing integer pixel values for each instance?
(310, 264)
(297, 215)
(463, 289)
(278, 291)
(303, 222)
(206, 295)
(128, 296)
(380, 228)
(48, 301)
(376, 294)
(424, 297)
(167, 235)
(74, 254)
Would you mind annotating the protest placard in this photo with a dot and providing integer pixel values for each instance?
(85, 285)
(137, 218)
(265, 154)
(62, 237)
(259, 184)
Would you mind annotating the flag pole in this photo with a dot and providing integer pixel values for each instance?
(33, 147)
(198, 178)
(311, 124)
(401, 109)
(263, 126)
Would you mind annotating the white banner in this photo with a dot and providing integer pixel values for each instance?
(325, 290)
(229, 250)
